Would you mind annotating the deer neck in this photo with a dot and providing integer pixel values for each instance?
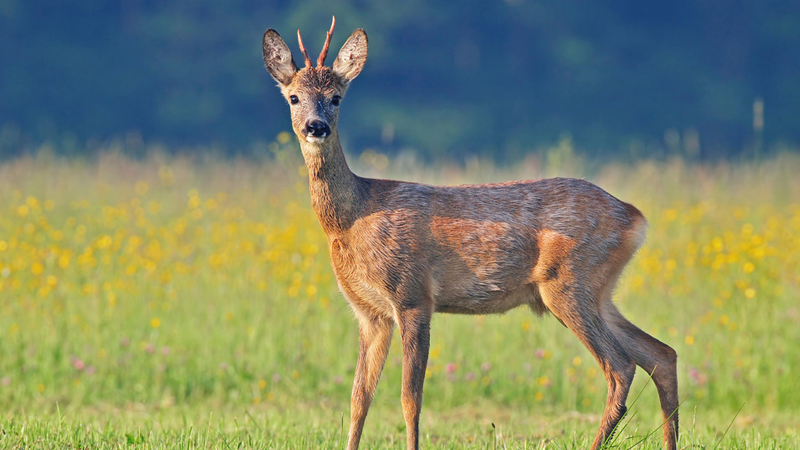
(333, 187)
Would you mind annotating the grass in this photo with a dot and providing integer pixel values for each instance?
(188, 302)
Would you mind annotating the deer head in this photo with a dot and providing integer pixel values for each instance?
(314, 93)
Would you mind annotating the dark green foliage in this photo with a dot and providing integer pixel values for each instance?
(452, 79)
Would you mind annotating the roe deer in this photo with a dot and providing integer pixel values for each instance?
(402, 251)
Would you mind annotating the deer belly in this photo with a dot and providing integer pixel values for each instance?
(482, 299)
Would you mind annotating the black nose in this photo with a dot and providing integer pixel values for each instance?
(317, 128)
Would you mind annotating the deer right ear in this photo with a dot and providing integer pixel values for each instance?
(352, 56)
(278, 58)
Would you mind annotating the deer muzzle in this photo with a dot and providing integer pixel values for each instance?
(316, 131)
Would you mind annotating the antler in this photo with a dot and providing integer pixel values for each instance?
(324, 52)
(303, 49)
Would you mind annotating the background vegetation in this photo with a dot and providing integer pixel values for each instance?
(188, 302)
(491, 78)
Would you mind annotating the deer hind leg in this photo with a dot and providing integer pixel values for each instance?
(579, 313)
(657, 359)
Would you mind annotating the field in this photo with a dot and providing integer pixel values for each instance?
(187, 302)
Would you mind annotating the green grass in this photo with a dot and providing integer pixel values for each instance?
(178, 302)
(314, 429)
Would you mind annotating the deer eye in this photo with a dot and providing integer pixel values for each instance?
(335, 100)
(293, 99)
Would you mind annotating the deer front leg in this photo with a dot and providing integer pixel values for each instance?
(375, 338)
(415, 333)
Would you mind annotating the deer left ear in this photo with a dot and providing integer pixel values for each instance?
(278, 58)
(352, 56)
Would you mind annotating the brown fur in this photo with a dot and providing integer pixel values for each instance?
(402, 251)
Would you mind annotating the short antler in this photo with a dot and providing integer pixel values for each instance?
(324, 52)
(303, 49)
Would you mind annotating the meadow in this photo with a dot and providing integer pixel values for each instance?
(188, 302)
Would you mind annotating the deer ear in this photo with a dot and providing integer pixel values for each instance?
(278, 58)
(352, 56)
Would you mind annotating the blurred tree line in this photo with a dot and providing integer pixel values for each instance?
(497, 77)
